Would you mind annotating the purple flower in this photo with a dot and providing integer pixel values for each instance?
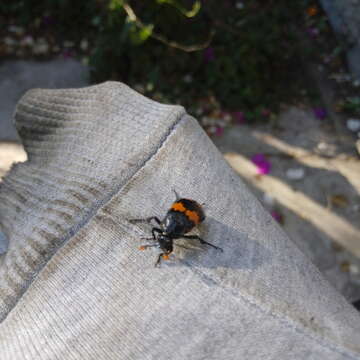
(313, 32)
(67, 53)
(219, 131)
(320, 113)
(239, 117)
(265, 112)
(262, 164)
(209, 54)
(48, 20)
(327, 59)
(277, 216)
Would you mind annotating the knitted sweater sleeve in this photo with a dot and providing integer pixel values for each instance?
(73, 284)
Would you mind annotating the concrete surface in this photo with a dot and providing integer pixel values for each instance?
(321, 211)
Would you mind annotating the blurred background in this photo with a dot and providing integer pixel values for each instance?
(275, 84)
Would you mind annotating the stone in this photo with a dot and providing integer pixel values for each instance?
(84, 44)
(18, 30)
(295, 173)
(28, 41)
(41, 47)
(353, 124)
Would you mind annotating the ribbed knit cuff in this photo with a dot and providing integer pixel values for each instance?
(82, 145)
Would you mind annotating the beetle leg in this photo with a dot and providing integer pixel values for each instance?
(164, 256)
(202, 241)
(148, 220)
(153, 237)
(144, 247)
(147, 238)
(155, 230)
(158, 260)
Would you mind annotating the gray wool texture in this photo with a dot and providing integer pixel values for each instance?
(73, 284)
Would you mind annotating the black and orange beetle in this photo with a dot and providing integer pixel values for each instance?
(182, 217)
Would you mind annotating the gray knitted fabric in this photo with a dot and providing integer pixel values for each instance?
(73, 284)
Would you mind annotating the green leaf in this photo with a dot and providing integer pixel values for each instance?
(138, 35)
(145, 32)
(116, 5)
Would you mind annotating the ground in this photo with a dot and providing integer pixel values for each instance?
(312, 188)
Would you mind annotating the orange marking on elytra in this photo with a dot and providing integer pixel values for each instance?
(193, 216)
(178, 206)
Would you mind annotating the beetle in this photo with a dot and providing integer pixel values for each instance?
(181, 218)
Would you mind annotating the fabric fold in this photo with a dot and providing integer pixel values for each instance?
(74, 279)
(82, 146)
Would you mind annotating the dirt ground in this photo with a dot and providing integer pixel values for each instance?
(312, 188)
